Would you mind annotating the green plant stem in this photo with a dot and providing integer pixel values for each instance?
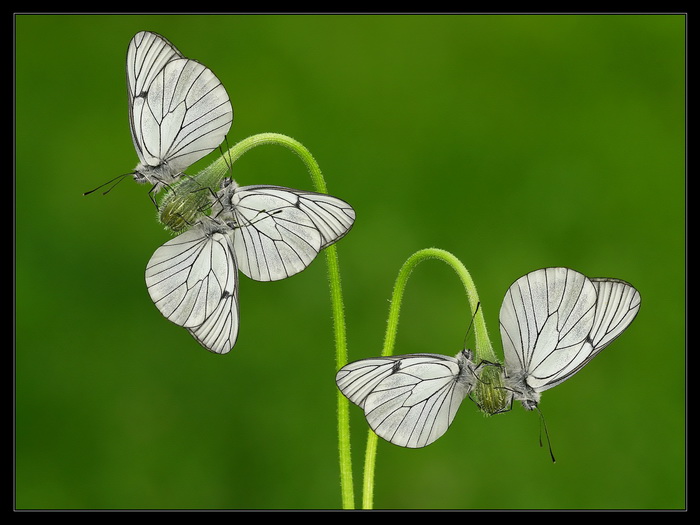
(214, 174)
(483, 350)
(216, 171)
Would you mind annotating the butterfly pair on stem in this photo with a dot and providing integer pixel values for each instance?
(267, 232)
(553, 322)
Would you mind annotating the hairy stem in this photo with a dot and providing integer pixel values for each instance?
(214, 174)
(483, 351)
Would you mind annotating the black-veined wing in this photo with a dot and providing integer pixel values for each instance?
(408, 400)
(616, 307)
(280, 231)
(193, 281)
(545, 320)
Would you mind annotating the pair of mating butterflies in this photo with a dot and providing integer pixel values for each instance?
(267, 232)
(553, 322)
(179, 112)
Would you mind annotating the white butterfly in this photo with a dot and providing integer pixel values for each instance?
(409, 400)
(553, 321)
(267, 232)
(178, 110)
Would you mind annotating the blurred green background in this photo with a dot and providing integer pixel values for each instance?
(513, 141)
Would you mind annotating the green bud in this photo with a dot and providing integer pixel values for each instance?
(489, 392)
(184, 204)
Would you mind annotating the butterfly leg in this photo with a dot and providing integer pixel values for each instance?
(151, 195)
(156, 188)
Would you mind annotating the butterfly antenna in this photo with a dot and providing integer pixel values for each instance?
(546, 432)
(226, 158)
(464, 345)
(118, 178)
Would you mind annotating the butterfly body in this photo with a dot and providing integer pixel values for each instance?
(517, 385)
(159, 175)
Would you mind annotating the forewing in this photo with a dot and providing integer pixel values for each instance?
(146, 57)
(408, 400)
(191, 276)
(273, 237)
(179, 110)
(358, 379)
(617, 305)
(545, 320)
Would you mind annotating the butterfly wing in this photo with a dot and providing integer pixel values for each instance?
(545, 320)
(193, 281)
(178, 109)
(333, 217)
(279, 231)
(219, 331)
(616, 307)
(409, 400)
(146, 56)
